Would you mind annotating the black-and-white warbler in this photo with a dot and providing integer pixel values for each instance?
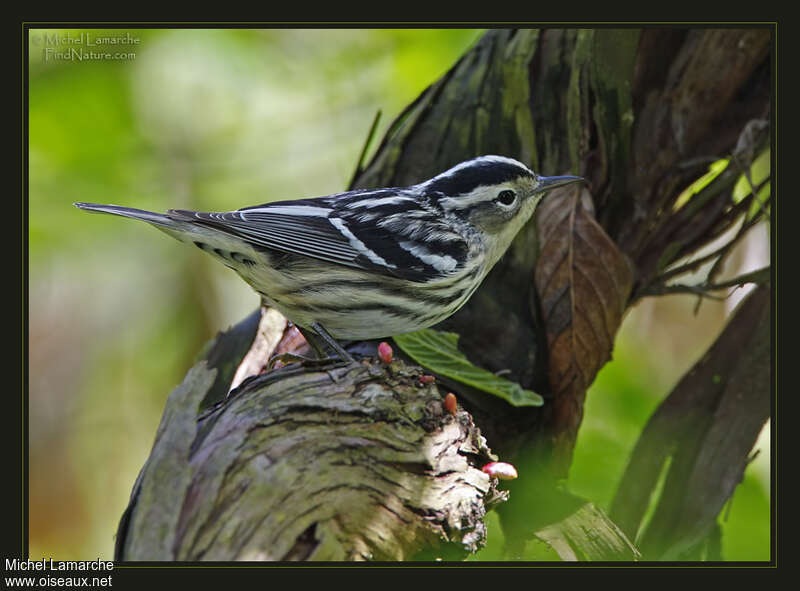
(372, 263)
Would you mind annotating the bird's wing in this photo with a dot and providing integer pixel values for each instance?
(378, 239)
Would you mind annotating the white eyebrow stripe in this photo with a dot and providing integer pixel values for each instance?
(340, 225)
(299, 210)
(477, 195)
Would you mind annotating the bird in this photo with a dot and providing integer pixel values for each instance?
(368, 263)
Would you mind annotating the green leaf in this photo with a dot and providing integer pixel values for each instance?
(438, 351)
(714, 170)
(759, 172)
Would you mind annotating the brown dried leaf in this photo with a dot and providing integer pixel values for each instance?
(583, 281)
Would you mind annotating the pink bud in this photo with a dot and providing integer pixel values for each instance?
(426, 379)
(385, 352)
(501, 470)
(450, 403)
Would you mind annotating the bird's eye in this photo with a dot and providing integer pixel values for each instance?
(506, 197)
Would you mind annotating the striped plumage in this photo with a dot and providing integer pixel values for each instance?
(370, 263)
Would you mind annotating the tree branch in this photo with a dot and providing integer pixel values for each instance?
(347, 463)
(759, 276)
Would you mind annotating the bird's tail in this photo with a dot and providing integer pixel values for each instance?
(158, 219)
(180, 224)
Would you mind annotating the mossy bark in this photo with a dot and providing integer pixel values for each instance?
(353, 462)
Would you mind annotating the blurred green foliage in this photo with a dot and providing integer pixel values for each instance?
(220, 119)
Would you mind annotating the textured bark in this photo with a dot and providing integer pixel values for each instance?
(638, 113)
(345, 463)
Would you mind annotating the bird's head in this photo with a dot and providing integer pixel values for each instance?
(495, 194)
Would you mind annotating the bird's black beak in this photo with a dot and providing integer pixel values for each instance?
(546, 183)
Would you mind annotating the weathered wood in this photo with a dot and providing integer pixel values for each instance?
(348, 463)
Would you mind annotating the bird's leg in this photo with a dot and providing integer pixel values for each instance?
(331, 342)
(293, 358)
(318, 338)
(314, 342)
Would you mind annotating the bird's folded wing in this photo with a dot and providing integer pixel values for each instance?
(321, 233)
